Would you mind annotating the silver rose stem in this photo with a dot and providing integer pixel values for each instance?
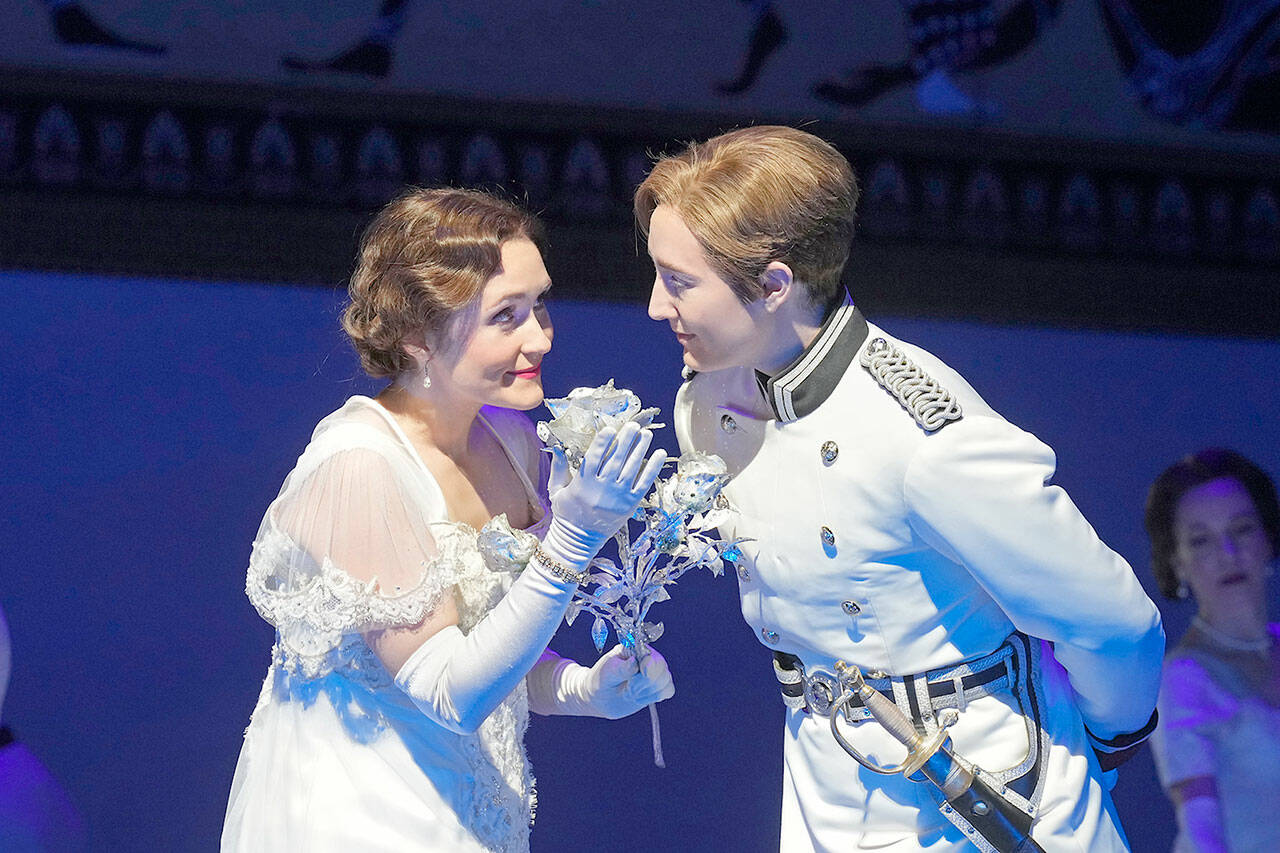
(657, 737)
(654, 725)
(626, 590)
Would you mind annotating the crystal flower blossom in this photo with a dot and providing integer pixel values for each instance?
(577, 418)
(697, 482)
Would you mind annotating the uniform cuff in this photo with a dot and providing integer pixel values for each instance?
(1119, 749)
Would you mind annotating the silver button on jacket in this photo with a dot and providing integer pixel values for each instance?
(830, 450)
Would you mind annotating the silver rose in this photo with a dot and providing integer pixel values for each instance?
(619, 594)
(693, 488)
(577, 418)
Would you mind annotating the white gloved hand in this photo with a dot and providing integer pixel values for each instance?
(615, 686)
(611, 482)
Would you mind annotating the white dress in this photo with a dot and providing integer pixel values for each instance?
(1213, 723)
(336, 757)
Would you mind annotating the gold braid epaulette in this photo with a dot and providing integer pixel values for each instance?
(932, 406)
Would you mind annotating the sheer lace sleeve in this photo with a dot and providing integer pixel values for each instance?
(348, 546)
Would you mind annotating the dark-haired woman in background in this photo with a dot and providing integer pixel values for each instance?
(1215, 533)
(409, 650)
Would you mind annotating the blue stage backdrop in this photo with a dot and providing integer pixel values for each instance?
(148, 423)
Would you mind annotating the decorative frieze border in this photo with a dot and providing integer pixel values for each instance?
(333, 151)
(330, 157)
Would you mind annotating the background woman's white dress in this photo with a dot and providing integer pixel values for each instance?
(1212, 723)
(336, 756)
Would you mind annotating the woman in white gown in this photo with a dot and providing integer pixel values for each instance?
(1214, 523)
(409, 647)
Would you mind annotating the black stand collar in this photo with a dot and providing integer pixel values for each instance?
(806, 383)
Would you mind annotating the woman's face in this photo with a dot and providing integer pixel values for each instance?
(491, 350)
(1221, 550)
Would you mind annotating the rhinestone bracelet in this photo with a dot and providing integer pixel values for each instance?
(559, 569)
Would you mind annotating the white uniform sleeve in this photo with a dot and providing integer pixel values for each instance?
(978, 491)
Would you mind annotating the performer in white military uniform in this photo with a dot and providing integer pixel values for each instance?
(898, 523)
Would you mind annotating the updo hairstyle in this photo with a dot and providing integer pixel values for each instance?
(1183, 476)
(426, 255)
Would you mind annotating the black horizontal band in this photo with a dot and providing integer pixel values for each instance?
(1127, 739)
(968, 682)
(937, 689)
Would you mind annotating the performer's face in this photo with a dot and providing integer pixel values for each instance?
(711, 323)
(1221, 547)
(492, 349)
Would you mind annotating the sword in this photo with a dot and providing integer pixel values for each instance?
(991, 822)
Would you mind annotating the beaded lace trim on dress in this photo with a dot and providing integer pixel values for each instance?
(312, 615)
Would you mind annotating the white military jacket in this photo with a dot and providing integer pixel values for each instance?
(900, 524)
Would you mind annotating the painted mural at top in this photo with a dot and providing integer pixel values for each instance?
(1199, 71)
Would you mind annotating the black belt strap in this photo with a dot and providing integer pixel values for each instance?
(937, 689)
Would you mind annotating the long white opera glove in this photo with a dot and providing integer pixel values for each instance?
(613, 688)
(458, 679)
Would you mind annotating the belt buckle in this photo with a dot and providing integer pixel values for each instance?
(821, 689)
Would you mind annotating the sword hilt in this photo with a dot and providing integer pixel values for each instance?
(920, 748)
(986, 813)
